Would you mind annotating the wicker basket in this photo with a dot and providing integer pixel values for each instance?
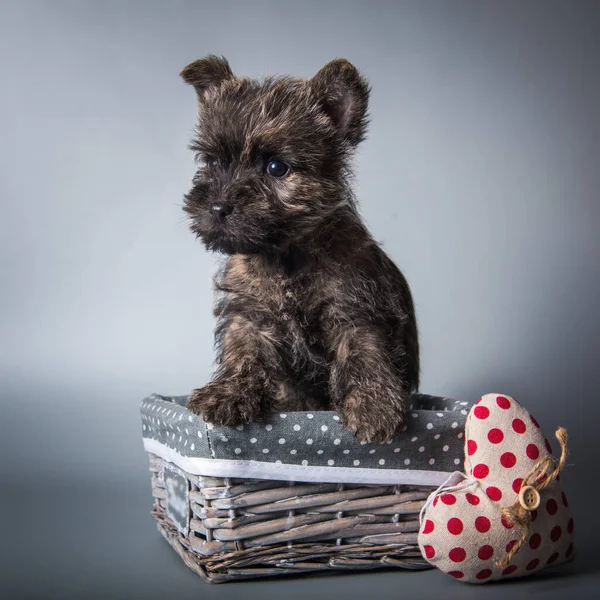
(267, 499)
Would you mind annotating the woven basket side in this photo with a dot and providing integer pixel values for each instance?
(240, 529)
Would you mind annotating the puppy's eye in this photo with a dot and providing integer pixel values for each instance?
(211, 163)
(277, 168)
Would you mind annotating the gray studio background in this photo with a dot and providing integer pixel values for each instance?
(480, 176)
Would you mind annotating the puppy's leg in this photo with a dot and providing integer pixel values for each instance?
(247, 378)
(366, 387)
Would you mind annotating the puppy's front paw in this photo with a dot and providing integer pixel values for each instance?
(370, 420)
(225, 402)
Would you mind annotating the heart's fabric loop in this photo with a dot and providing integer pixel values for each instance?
(451, 484)
(544, 472)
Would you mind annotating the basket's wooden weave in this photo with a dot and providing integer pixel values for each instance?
(245, 528)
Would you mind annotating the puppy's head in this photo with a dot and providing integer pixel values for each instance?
(273, 154)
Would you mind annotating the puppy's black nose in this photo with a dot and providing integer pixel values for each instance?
(221, 210)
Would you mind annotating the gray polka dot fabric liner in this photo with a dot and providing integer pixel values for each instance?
(309, 446)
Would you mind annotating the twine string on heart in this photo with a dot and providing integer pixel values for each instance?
(541, 475)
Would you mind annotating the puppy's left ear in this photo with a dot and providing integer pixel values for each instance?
(207, 72)
(344, 96)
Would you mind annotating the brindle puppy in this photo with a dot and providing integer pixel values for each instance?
(312, 314)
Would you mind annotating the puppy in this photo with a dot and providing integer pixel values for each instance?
(311, 313)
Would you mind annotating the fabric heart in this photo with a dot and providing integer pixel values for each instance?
(475, 528)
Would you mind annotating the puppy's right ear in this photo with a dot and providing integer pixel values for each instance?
(343, 94)
(206, 73)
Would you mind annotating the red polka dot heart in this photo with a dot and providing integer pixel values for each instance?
(463, 532)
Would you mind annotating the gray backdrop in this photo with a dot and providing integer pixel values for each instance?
(480, 176)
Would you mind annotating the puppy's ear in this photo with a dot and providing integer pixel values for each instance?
(206, 73)
(344, 95)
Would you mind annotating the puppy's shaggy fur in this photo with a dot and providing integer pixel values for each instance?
(312, 314)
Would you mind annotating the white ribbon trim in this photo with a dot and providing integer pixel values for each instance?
(253, 469)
